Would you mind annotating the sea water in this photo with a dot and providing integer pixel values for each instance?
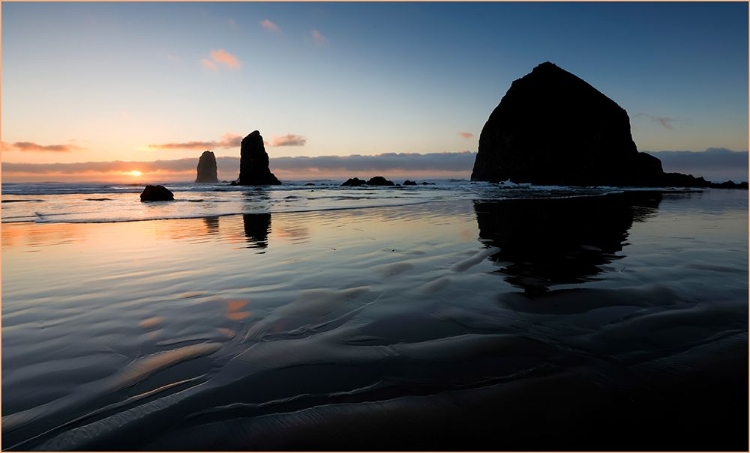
(454, 315)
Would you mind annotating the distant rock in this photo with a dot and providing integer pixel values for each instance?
(353, 182)
(551, 127)
(254, 168)
(156, 193)
(729, 185)
(410, 183)
(207, 172)
(379, 181)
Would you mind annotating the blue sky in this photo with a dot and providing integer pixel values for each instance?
(136, 82)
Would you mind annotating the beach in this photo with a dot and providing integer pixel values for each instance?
(456, 316)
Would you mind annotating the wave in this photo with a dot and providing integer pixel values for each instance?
(108, 203)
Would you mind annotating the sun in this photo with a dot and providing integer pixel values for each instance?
(135, 173)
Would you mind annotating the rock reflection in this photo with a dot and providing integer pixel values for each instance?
(212, 224)
(547, 242)
(257, 227)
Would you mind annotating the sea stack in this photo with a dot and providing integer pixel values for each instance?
(207, 168)
(551, 127)
(254, 162)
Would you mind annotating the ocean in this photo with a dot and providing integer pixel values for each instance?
(454, 315)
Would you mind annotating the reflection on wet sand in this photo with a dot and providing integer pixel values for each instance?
(547, 242)
(257, 227)
(212, 224)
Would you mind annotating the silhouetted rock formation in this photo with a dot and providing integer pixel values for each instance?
(730, 185)
(379, 181)
(254, 162)
(156, 193)
(546, 242)
(207, 168)
(682, 180)
(353, 182)
(410, 183)
(553, 128)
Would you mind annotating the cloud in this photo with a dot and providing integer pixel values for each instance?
(173, 58)
(220, 57)
(665, 121)
(268, 25)
(466, 134)
(319, 38)
(227, 141)
(35, 147)
(455, 162)
(223, 57)
(287, 140)
(452, 162)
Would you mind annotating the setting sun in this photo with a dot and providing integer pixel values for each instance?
(134, 173)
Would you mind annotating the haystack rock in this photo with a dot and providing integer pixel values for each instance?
(207, 168)
(156, 193)
(551, 127)
(254, 162)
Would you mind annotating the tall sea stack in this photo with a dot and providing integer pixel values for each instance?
(207, 168)
(254, 162)
(551, 127)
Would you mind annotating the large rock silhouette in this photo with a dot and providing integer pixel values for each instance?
(254, 162)
(207, 171)
(551, 127)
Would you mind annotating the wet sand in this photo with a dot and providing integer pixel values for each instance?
(609, 323)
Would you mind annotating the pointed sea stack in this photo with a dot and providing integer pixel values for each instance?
(254, 169)
(207, 168)
(551, 127)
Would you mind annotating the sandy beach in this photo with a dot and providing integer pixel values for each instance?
(399, 327)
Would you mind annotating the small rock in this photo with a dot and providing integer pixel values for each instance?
(379, 181)
(156, 193)
(354, 182)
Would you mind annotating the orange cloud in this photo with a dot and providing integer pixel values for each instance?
(466, 134)
(227, 141)
(268, 25)
(33, 147)
(287, 140)
(223, 57)
(319, 38)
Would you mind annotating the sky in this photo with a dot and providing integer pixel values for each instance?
(137, 91)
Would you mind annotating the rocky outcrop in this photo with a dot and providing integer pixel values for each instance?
(156, 193)
(353, 182)
(410, 183)
(254, 169)
(551, 127)
(379, 181)
(207, 172)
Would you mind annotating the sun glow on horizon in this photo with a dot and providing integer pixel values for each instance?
(134, 173)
